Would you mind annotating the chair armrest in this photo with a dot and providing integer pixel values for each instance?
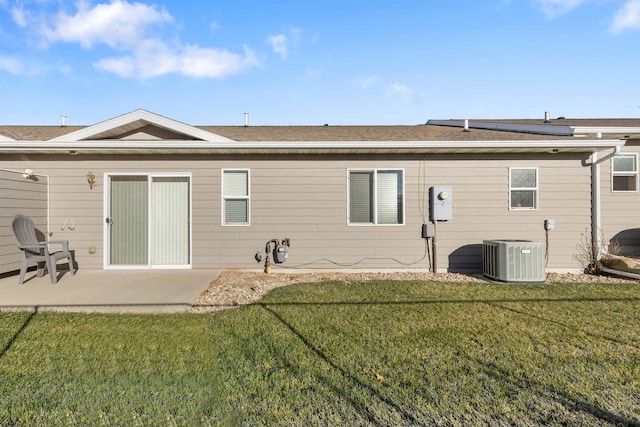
(64, 243)
(38, 246)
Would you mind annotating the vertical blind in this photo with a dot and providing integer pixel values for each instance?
(236, 197)
(170, 220)
(129, 220)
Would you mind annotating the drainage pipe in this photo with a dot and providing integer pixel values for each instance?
(596, 221)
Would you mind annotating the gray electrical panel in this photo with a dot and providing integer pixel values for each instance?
(440, 203)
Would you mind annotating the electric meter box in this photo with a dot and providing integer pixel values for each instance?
(440, 203)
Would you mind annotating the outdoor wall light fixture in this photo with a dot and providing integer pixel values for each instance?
(91, 179)
(28, 174)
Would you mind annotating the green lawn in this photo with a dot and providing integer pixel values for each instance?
(375, 353)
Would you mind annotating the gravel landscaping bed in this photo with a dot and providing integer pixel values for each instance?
(237, 288)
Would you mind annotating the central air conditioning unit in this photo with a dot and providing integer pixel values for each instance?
(514, 260)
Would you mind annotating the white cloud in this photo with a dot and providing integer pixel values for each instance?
(279, 44)
(124, 66)
(366, 82)
(11, 65)
(400, 90)
(65, 69)
(128, 27)
(23, 66)
(627, 18)
(117, 24)
(19, 17)
(553, 8)
(156, 59)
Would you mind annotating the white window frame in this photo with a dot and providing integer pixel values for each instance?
(535, 189)
(625, 173)
(224, 199)
(375, 201)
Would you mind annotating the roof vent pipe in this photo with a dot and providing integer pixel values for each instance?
(63, 121)
(246, 119)
(546, 117)
(599, 135)
(466, 125)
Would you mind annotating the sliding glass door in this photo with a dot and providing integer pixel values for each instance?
(148, 220)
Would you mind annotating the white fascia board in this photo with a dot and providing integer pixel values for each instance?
(152, 118)
(284, 147)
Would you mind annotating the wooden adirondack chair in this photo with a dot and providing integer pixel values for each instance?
(36, 252)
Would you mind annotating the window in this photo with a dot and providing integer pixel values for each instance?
(235, 195)
(624, 170)
(523, 188)
(376, 197)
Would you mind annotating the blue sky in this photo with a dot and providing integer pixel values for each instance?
(293, 62)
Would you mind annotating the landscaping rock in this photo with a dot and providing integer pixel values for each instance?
(237, 288)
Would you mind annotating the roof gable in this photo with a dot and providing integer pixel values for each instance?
(140, 125)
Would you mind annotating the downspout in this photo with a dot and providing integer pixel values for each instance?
(596, 222)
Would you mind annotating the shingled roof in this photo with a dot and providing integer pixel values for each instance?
(307, 133)
(433, 130)
(141, 132)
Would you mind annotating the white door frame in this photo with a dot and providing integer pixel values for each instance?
(107, 212)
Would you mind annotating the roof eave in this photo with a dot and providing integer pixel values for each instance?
(309, 147)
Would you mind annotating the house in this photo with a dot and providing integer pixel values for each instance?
(145, 191)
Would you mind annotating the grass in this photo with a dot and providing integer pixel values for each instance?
(375, 353)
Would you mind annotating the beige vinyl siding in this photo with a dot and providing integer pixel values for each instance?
(304, 198)
(481, 211)
(19, 195)
(619, 210)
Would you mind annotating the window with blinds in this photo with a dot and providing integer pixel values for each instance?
(376, 197)
(235, 195)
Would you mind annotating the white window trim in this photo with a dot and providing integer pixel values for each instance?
(223, 199)
(375, 201)
(536, 189)
(635, 173)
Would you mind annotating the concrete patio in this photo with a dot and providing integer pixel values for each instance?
(107, 291)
